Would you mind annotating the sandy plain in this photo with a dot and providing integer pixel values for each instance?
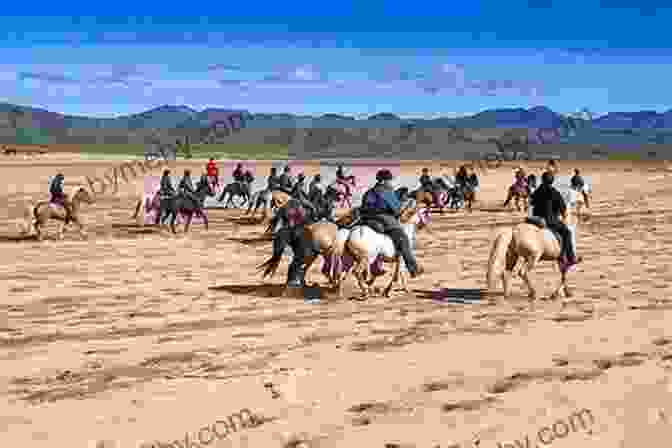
(135, 337)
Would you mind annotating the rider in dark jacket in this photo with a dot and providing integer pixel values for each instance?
(548, 203)
(186, 186)
(58, 196)
(238, 173)
(56, 190)
(578, 184)
(316, 189)
(166, 190)
(273, 180)
(380, 210)
(286, 182)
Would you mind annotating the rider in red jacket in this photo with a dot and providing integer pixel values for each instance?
(212, 172)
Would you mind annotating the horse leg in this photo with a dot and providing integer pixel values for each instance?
(173, 218)
(205, 218)
(59, 231)
(190, 216)
(395, 277)
(531, 263)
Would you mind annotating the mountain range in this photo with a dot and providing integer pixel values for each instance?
(183, 117)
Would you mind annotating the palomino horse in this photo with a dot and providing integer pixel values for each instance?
(37, 216)
(365, 246)
(518, 249)
(345, 188)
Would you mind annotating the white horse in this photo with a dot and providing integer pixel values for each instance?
(366, 246)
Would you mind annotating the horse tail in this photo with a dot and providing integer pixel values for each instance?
(280, 241)
(337, 254)
(497, 259)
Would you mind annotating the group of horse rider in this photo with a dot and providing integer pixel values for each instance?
(466, 179)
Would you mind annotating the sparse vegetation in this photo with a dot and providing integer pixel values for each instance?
(202, 151)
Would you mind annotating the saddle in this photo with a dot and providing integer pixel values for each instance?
(541, 224)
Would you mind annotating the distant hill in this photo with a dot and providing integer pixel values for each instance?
(24, 124)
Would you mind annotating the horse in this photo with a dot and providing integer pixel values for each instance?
(366, 246)
(150, 204)
(319, 236)
(37, 216)
(345, 188)
(518, 249)
(235, 189)
(186, 206)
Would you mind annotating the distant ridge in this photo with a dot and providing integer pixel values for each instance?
(184, 117)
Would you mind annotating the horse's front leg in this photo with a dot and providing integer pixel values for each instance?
(59, 232)
(395, 278)
(190, 216)
(173, 218)
(360, 271)
(205, 218)
(562, 286)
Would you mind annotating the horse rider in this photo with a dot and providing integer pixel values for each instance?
(186, 186)
(58, 196)
(166, 192)
(316, 189)
(552, 167)
(166, 189)
(299, 188)
(213, 172)
(344, 180)
(286, 182)
(273, 180)
(380, 210)
(238, 173)
(472, 179)
(461, 178)
(578, 184)
(519, 186)
(548, 203)
(427, 185)
(248, 178)
(531, 183)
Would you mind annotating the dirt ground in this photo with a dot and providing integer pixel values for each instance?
(135, 336)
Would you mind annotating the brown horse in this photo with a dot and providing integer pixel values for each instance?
(37, 216)
(321, 235)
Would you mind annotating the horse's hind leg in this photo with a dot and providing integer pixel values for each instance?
(525, 274)
(562, 286)
(190, 216)
(205, 219)
(395, 278)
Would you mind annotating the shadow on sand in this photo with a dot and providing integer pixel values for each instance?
(454, 295)
(20, 237)
(312, 292)
(258, 241)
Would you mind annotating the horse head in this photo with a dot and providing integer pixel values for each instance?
(79, 195)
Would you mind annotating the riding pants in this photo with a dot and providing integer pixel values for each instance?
(567, 240)
(390, 227)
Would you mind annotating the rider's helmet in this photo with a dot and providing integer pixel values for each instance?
(425, 170)
(187, 172)
(274, 170)
(240, 165)
(287, 169)
(301, 176)
(384, 175)
(166, 172)
(318, 178)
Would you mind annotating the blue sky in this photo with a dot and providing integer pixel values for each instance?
(411, 58)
